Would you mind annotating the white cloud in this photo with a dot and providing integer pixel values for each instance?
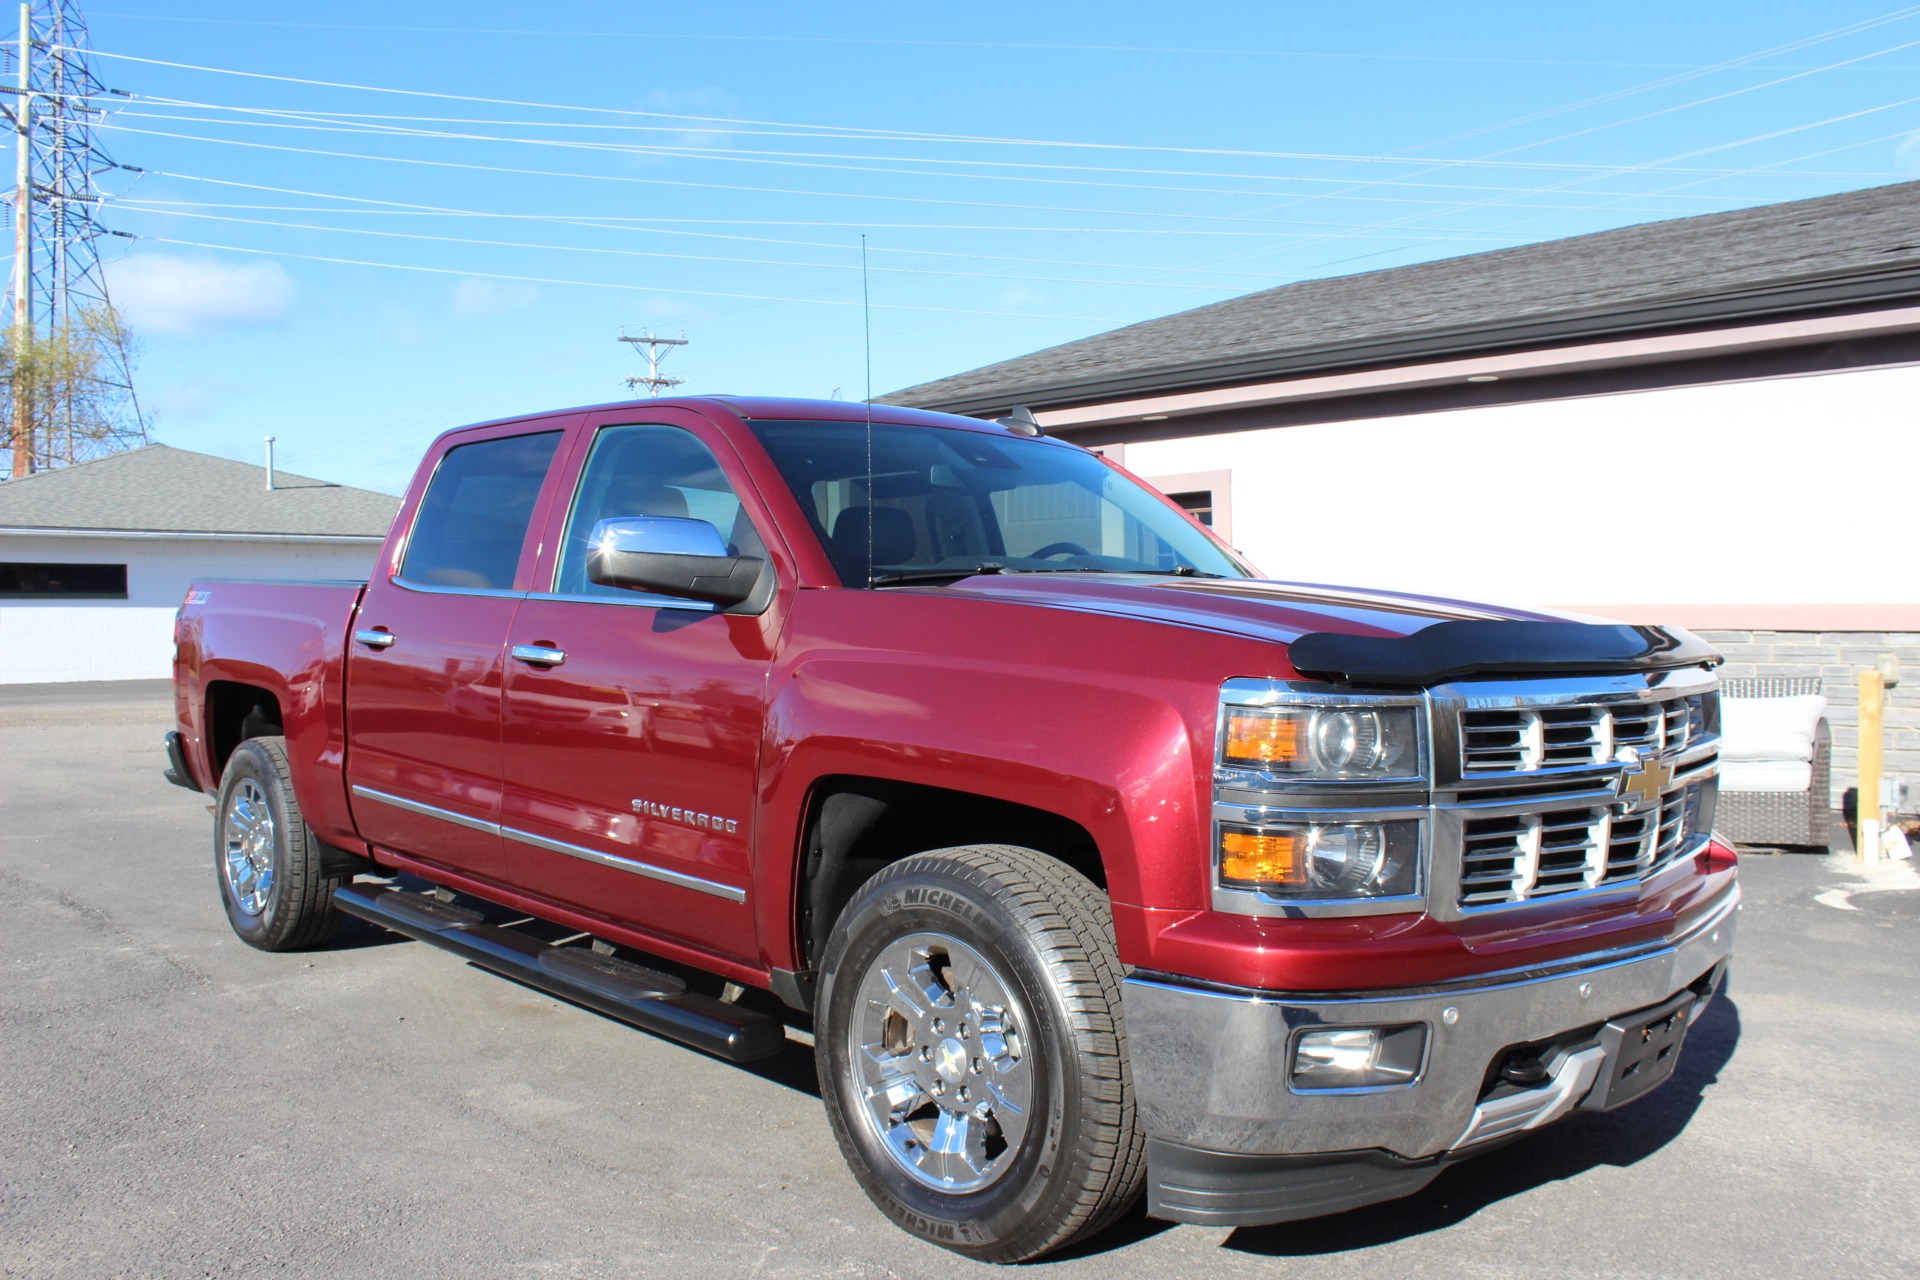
(1908, 152)
(182, 297)
(404, 327)
(691, 102)
(192, 399)
(476, 297)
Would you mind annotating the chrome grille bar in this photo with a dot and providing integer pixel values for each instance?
(1525, 739)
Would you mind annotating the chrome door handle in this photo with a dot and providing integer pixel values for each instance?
(375, 639)
(539, 655)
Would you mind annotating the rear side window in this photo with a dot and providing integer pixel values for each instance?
(473, 520)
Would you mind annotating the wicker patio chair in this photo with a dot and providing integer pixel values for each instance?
(1781, 817)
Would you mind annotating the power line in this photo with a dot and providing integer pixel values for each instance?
(590, 284)
(643, 253)
(352, 123)
(1157, 50)
(848, 130)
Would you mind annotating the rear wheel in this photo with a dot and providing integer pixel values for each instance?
(268, 863)
(972, 1056)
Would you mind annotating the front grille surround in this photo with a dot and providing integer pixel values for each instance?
(1528, 786)
(1523, 804)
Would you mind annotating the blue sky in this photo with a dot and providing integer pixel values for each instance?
(355, 269)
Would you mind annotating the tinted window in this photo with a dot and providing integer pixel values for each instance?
(649, 471)
(901, 498)
(1198, 504)
(474, 518)
(93, 581)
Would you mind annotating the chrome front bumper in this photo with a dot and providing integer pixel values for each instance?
(1210, 1071)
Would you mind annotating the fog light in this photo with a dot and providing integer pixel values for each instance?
(1359, 1057)
(1336, 1051)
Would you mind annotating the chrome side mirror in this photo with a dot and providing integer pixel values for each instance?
(668, 556)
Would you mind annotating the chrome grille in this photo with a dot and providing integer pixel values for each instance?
(1523, 857)
(1526, 739)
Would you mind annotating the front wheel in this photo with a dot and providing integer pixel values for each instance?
(972, 1055)
(272, 882)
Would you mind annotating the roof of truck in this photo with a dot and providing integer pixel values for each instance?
(771, 408)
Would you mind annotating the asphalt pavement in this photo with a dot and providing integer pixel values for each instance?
(173, 1103)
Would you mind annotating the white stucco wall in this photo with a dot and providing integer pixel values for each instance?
(1740, 494)
(132, 639)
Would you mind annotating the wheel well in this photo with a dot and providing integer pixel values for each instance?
(236, 712)
(857, 825)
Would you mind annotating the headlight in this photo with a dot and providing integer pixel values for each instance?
(1334, 742)
(1322, 860)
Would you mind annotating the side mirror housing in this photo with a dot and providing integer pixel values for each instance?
(667, 556)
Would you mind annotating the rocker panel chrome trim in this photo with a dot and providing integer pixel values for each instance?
(631, 865)
(638, 868)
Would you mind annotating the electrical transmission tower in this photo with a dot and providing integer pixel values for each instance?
(69, 378)
(653, 382)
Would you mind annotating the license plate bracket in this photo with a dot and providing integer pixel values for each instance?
(1642, 1051)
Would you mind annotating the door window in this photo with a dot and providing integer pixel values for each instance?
(649, 471)
(473, 520)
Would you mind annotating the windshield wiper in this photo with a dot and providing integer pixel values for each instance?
(1179, 571)
(912, 576)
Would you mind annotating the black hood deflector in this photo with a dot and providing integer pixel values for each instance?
(1451, 650)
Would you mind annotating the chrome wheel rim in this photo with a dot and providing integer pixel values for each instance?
(247, 847)
(941, 1061)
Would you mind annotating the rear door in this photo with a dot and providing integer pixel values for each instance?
(424, 662)
(633, 722)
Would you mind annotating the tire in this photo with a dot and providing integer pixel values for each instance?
(267, 862)
(1006, 1128)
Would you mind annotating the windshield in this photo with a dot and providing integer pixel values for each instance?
(935, 498)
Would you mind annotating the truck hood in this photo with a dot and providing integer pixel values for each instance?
(1281, 612)
(1364, 637)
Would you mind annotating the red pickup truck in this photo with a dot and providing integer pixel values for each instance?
(1096, 863)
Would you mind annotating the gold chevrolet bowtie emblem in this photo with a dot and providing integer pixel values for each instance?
(1642, 782)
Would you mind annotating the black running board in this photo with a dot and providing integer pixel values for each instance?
(653, 1001)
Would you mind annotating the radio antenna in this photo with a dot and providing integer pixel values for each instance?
(866, 323)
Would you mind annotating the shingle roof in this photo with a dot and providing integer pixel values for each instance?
(158, 488)
(1748, 262)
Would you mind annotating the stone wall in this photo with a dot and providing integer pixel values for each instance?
(1838, 658)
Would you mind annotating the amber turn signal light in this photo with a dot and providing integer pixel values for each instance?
(1264, 859)
(1261, 737)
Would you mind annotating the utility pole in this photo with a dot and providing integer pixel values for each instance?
(653, 382)
(69, 378)
(22, 435)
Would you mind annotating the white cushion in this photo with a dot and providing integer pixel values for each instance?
(1770, 728)
(1765, 775)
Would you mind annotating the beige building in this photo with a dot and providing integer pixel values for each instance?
(1712, 421)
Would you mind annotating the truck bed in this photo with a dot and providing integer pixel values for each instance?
(288, 638)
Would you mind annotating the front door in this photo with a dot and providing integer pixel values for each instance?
(633, 722)
(424, 665)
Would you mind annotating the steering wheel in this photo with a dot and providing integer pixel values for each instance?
(1059, 548)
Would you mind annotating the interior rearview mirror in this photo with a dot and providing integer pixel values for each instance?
(668, 556)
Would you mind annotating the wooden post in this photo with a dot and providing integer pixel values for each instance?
(1873, 702)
